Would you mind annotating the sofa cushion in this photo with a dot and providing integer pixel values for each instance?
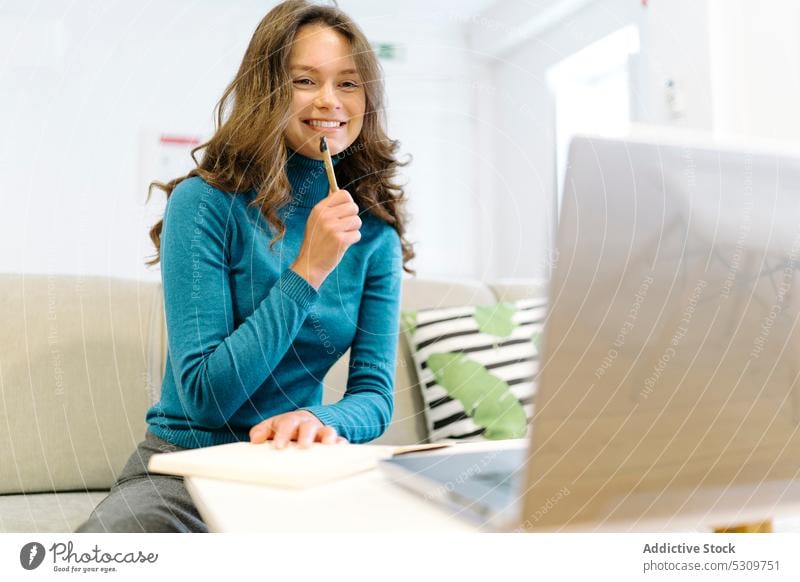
(477, 367)
(76, 378)
(430, 293)
(512, 289)
(47, 512)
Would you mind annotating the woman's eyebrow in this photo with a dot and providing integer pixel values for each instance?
(310, 68)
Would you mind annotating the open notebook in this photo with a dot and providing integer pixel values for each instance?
(292, 466)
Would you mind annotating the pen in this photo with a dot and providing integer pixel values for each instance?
(323, 147)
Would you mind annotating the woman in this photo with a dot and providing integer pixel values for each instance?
(269, 277)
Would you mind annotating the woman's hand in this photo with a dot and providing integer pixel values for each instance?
(332, 227)
(299, 425)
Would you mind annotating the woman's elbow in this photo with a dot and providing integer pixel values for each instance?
(200, 405)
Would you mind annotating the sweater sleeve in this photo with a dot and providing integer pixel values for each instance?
(365, 410)
(216, 368)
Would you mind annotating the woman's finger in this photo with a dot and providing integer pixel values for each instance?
(306, 433)
(327, 435)
(350, 223)
(261, 432)
(341, 440)
(285, 431)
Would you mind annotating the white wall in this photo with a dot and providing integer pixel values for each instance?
(79, 81)
(755, 52)
(675, 46)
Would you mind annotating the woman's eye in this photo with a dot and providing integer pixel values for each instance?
(303, 82)
(349, 84)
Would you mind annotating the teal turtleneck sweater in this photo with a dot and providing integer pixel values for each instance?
(249, 338)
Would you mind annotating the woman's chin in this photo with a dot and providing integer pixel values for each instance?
(318, 155)
(310, 148)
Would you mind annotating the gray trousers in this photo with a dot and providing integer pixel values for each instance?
(141, 502)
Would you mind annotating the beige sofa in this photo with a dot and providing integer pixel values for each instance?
(82, 359)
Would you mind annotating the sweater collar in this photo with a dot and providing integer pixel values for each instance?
(308, 178)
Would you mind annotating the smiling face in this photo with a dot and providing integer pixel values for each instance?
(328, 94)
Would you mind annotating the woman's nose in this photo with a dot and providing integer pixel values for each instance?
(326, 97)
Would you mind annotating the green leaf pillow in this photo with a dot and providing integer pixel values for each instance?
(477, 367)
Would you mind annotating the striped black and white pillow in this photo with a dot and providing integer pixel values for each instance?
(477, 367)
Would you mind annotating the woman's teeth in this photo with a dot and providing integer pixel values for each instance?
(315, 123)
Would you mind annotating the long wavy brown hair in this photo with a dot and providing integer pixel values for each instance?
(248, 150)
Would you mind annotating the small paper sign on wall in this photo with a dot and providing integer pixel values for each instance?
(163, 157)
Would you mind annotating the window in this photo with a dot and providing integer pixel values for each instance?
(592, 92)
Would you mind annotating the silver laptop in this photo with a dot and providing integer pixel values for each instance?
(668, 387)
